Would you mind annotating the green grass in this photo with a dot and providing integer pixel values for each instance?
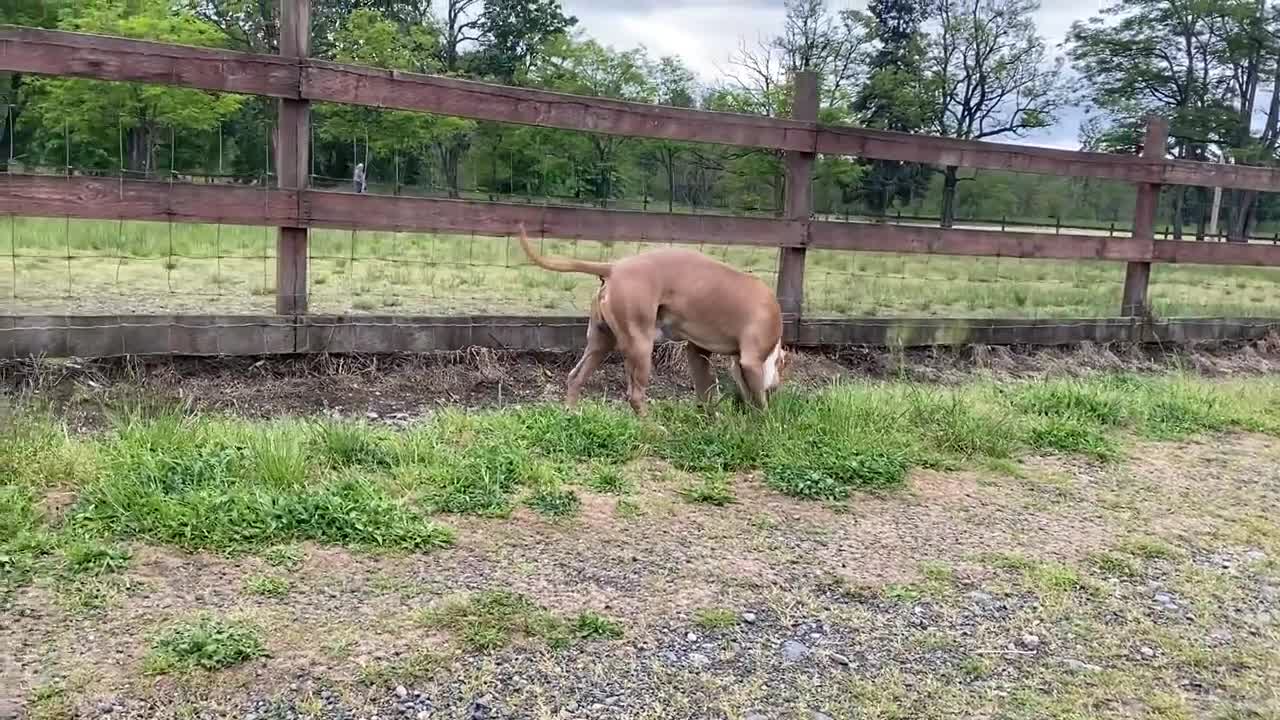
(492, 620)
(267, 586)
(203, 643)
(232, 485)
(715, 618)
(117, 265)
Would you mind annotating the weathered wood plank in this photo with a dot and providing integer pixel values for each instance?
(333, 82)
(112, 198)
(63, 53)
(113, 336)
(55, 52)
(380, 212)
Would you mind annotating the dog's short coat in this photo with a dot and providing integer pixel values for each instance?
(683, 295)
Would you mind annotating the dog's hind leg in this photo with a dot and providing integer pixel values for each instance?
(600, 342)
(704, 380)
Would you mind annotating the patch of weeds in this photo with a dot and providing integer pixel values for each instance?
(491, 620)
(1050, 578)
(411, 668)
(607, 479)
(711, 490)
(278, 458)
(1093, 402)
(204, 643)
(815, 474)
(1180, 410)
(24, 542)
(694, 443)
(51, 702)
(478, 480)
(1071, 435)
(591, 432)
(266, 586)
(555, 502)
(715, 618)
(588, 625)
(348, 444)
(93, 558)
(902, 593)
(953, 425)
(976, 668)
(1114, 565)
(287, 557)
(1149, 548)
(91, 593)
(628, 509)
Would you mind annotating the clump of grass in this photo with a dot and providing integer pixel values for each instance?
(479, 480)
(491, 620)
(592, 432)
(715, 618)
(628, 509)
(710, 490)
(267, 586)
(1071, 435)
(288, 557)
(347, 444)
(414, 667)
(1149, 548)
(1113, 565)
(607, 479)
(204, 643)
(1096, 402)
(1181, 410)
(589, 625)
(555, 502)
(93, 558)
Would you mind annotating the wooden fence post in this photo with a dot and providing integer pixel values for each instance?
(1138, 274)
(799, 206)
(293, 162)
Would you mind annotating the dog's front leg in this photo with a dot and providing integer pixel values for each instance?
(704, 379)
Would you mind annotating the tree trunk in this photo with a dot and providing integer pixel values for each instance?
(950, 181)
(779, 195)
(1202, 214)
(1242, 217)
(1178, 195)
(138, 149)
(671, 181)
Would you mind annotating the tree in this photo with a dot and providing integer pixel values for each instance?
(588, 68)
(989, 76)
(369, 38)
(513, 33)
(894, 97)
(96, 118)
(1196, 63)
(32, 13)
(675, 86)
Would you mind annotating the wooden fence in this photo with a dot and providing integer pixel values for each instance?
(297, 80)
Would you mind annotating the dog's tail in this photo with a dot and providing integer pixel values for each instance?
(555, 264)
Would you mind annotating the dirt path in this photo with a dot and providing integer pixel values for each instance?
(1149, 588)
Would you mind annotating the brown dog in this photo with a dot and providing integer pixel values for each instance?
(687, 296)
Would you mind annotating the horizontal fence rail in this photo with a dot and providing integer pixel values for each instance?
(53, 52)
(115, 199)
(291, 205)
(217, 335)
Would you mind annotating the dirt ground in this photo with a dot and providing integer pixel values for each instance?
(399, 388)
(1054, 588)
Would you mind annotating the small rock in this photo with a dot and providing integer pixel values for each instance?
(840, 659)
(423, 715)
(1164, 598)
(691, 637)
(402, 692)
(756, 716)
(1146, 652)
(815, 715)
(613, 700)
(371, 415)
(1030, 641)
(1221, 635)
(105, 708)
(1080, 666)
(1255, 556)
(794, 652)
(699, 660)
(749, 618)
(980, 598)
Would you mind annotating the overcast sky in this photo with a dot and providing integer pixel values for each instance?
(706, 32)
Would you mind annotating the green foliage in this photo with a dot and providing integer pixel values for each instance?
(710, 490)
(491, 620)
(715, 618)
(555, 502)
(204, 643)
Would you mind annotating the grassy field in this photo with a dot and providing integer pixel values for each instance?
(60, 266)
(1049, 549)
